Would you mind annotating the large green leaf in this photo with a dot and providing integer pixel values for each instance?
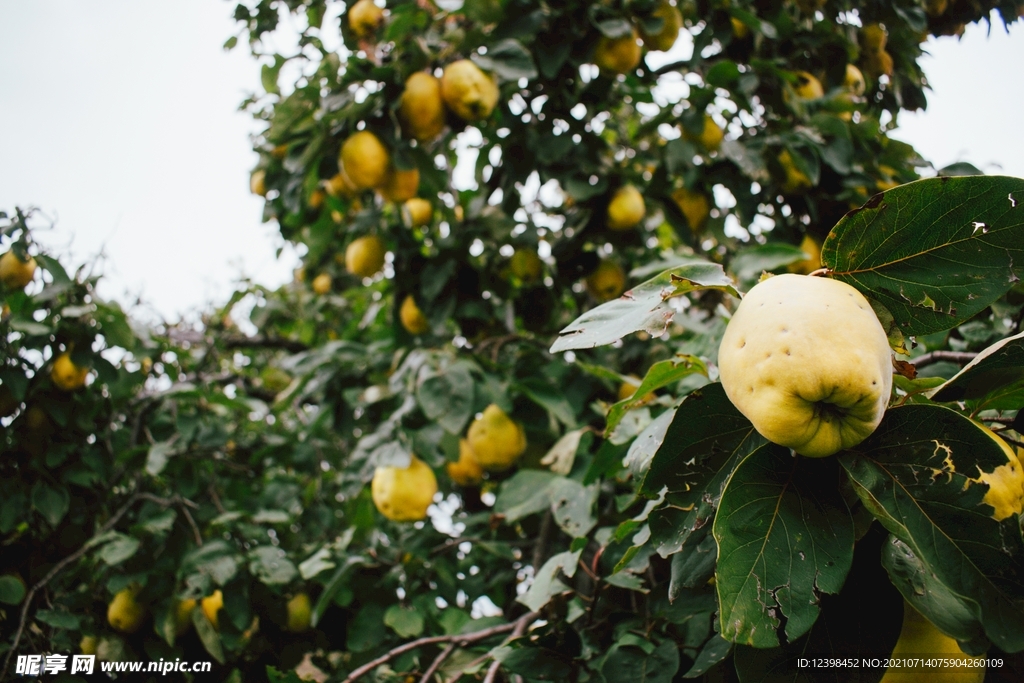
(644, 307)
(785, 538)
(447, 397)
(992, 381)
(934, 252)
(632, 664)
(918, 475)
(661, 374)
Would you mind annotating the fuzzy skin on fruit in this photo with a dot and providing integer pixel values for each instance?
(618, 55)
(421, 110)
(808, 86)
(365, 160)
(496, 440)
(468, 91)
(711, 135)
(626, 208)
(15, 273)
(364, 257)
(807, 362)
(258, 183)
(403, 494)
(322, 284)
(412, 318)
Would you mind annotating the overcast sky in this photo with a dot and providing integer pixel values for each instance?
(118, 118)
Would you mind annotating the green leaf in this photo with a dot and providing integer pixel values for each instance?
(661, 374)
(159, 454)
(536, 663)
(935, 252)
(573, 506)
(546, 583)
(508, 59)
(58, 619)
(785, 538)
(269, 73)
(447, 397)
(51, 503)
(215, 559)
(407, 622)
(549, 398)
(208, 635)
(917, 475)
(749, 263)
(119, 549)
(318, 562)
(524, 493)
(994, 380)
(630, 664)
(12, 589)
(644, 307)
(366, 631)
(271, 566)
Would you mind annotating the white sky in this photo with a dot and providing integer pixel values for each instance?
(119, 119)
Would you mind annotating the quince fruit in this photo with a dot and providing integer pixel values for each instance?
(258, 183)
(626, 208)
(629, 387)
(15, 273)
(299, 613)
(809, 246)
(920, 638)
(87, 645)
(364, 257)
(183, 615)
(421, 110)
(672, 21)
(364, 18)
(468, 91)
(66, 375)
(124, 613)
(796, 180)
(618, 55)
(495, 439)
(739, 30)
(412, 318)
(403, 494)
(807, 362)
(1005, 483)
(526, 265)
(607, 282)
(211, 605)
(340, 186)
(808, 86)
(467, 471)
(854, 80)
(322, 284)
(400, 186)
(365, 160)
(417, 212)
(694, 205)
(711, 135)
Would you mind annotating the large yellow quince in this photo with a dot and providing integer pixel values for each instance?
(364, 257)
(421, 111)
(365, 160)
(808, 87)
(66, 375)
(711, 135)
(626, 208)
(15, 273)
(618, 55)
(809, 246)
(920, 638)
(496, 440)
(399, 185)
(417, 212)
(299, 613)
(412, 318)
(364, 18)
(672, 21)
(467, 471)
(124, 613)
(607, 281)
(403, 494)
(211, 605)
(1005, 483)
(854, 80)
(468, 91)
(807, 362)
(694, 205)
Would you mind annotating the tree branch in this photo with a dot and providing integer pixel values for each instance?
(436, 664)
(265, 343)
(520, 626)
(936, 356)
(456, 639)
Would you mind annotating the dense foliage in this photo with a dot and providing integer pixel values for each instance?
(235, 454)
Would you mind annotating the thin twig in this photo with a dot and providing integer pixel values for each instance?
(192, 523)
(436, 664)
(520, 626)
(265, 343)
(936, 356)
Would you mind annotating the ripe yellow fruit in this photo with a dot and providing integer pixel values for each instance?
(672, 21)
(711, 135)
(854, 80)
(1005, 483)
(183, 615)
(15, 273)
(124, 614)
(607, 282)
(316, 199)
(211, 605)
(526, 265)
(66, 375)
(739, 29)
(421, 111)
(618, 55)
(629, 387)
(808, 86)
(258, 183)
(807, 362)
(87, 645)
(322, 284)
(694, 205)
(626, 208)
(496, 440)
(299, 613)
(365, 256)
(467, 471)
(399, 185)
(417, 212)
(920, 638)
(468, 91)
(412, 317)
(404, 494)
(365, 160)
(364, 18)
(340, 186)
(872, 38)
(809, 246)
(796, 180)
